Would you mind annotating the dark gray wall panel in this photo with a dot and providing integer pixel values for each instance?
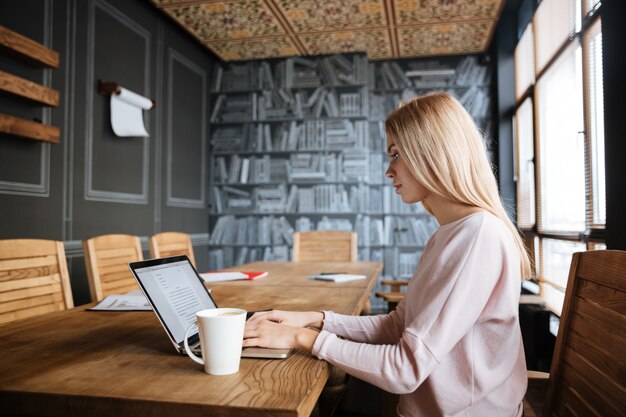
(119, 50)
(94, 183)
(186, 135)
(31, 183)
(24, 164)
(185, 141)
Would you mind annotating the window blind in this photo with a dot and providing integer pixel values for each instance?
(560, 152)
(594, 99)
(555, 258)
(524, 62)
(554, 22)
(525, 165)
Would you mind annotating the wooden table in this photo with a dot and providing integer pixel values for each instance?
(86, 363)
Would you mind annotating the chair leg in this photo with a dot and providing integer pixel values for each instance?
(332, 392)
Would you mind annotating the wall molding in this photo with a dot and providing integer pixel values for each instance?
(70, 116)
(171, 201)
(158, 135)
(41, 189)
(74, 248)
(92, 194)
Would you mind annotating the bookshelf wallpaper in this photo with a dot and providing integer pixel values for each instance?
(298, 144)
(238, 30)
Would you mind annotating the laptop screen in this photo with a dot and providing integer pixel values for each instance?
(176, 293)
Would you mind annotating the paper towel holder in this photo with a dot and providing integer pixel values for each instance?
(106, 88)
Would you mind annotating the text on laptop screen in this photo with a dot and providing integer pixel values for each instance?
(177, 293)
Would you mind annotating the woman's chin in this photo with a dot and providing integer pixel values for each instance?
(408, 200)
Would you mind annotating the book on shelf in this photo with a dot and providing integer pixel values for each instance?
(218, 276)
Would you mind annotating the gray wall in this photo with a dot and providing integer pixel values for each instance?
(93, 182)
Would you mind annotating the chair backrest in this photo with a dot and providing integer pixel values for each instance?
(170, 244)
(588, 373)
(325, 245)
(106, 260)
(33, 278)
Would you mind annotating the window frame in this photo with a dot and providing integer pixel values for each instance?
(593, 235)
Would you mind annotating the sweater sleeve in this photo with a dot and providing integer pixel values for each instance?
(457, 292)
(384, 328)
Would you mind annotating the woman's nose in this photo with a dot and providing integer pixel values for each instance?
(389, 173)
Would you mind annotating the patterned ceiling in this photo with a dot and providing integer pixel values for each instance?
(254, 29)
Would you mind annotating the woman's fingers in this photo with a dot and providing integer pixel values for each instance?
(262, 315)
(250, 342)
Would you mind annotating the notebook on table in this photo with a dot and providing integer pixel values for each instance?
(176, 292)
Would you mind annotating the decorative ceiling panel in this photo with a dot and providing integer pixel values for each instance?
(227, 19)
(375, 42)
(307, 16)
(252, 48)
(444, 38)
(410, 12)
(253, 29)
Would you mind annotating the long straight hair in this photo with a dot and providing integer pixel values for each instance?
(445, 152)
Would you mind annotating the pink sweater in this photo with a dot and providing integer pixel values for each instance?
(453, 347)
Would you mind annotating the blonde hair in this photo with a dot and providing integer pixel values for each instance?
(446, 153)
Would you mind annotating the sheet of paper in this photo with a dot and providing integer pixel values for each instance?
(338, 277)
(123, 302)
(222, 276)
(127, 113)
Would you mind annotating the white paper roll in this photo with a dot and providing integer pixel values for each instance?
(126, 113)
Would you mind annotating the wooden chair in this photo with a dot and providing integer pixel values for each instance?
(33, 278)
(329, 246)
(106, 260)
(588, 372)
(325, 245)
(394, 296)
(171, 244)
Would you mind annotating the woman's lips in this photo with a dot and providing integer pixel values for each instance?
(397, 187)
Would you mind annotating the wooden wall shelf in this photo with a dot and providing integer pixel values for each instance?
(23, 88)
(17, 126)
(36, 54)
(26, 48)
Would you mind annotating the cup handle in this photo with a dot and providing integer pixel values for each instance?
(188, 350)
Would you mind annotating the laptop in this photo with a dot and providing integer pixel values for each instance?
(176, 292)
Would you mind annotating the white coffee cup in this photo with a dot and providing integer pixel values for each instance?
(221, 339)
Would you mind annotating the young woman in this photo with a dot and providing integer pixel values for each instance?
(453, 346)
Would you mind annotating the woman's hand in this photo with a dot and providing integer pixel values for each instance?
(270, 334)
(290, 318)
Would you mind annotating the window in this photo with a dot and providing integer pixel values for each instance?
(559, 138)
(561, 145)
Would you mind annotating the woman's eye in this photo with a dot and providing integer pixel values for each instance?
(395, 156)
